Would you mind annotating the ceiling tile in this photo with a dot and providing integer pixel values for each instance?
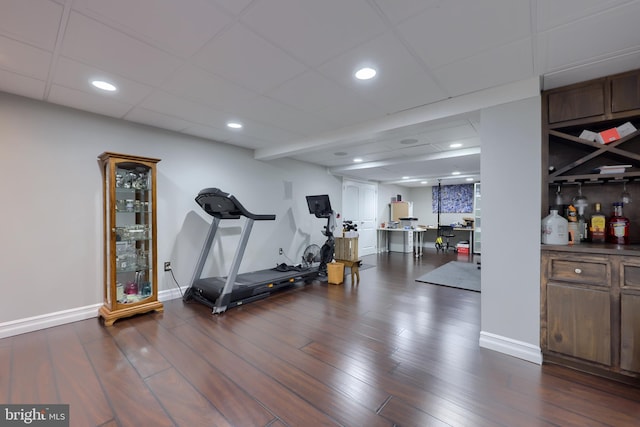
(314, 31)
(401, 83)
(153, 118)
(577, 44)
(271, 111)
(508, 63)
(22, 58)
(31, 21)
(399, 10)
(199, 85)
(21, 85)
(459, 29)
(234, 6)
(185, 109)
(74, 75)
(94, 103)
(591, 70)
(553, 13)
(88, 41)
(271, 135)
(180, 27)
(351, 111)
(311, 92)
(248, 60)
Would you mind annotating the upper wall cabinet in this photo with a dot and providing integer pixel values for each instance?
(595, 106)
(625, 92)
(577, 102)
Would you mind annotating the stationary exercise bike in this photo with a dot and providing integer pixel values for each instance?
(321, 208)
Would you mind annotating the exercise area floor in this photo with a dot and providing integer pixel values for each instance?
(389, 351)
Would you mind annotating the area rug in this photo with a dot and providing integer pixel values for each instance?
(455, 274)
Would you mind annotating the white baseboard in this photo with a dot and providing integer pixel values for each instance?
(511, 347)
(48, 320)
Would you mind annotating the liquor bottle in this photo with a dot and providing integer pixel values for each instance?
(572, 218)
(583, 225)
(597, 225)
(618, 226)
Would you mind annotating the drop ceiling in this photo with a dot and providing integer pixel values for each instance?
(284, 68)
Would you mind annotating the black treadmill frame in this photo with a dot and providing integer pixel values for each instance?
(221, 293)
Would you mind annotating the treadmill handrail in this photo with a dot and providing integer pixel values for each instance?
(223, 205)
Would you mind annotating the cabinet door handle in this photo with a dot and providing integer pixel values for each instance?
(578, 271)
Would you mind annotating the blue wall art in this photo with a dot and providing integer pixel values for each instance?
(455, 198)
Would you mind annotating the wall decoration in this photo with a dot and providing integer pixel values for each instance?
(455, 198)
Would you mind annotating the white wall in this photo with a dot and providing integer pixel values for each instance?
(51, 229)
(511, 165)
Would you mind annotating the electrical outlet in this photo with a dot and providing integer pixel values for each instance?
(280, 251)
(167, 266)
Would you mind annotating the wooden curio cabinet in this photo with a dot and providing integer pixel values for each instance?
(129, 199)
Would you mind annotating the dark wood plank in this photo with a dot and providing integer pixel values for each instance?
(237, 405)
(185, 405)
(30, 364)
(130, 399)
(143, 356)
(282, 402)
(408, 416)
(87, 403)
(5, 372)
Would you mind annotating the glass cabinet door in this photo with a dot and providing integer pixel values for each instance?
(133, 233)
(130, 247)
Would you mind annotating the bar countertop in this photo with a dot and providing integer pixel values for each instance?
(596, 248)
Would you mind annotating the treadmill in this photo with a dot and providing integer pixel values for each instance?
(220, 293)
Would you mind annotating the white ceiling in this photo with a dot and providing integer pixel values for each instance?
(284, 69)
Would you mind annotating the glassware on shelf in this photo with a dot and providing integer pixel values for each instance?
(580, 202)
(559, 201)
(625, 197)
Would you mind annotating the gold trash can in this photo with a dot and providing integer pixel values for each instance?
(335, 273)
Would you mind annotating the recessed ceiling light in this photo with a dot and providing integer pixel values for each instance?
(106, 86)
(234, 125)
(455, 145)
(455, 173)
(405, 177)
(357, 160)
(365, 73)
(469, 179)
(408, 141)
(423, 182)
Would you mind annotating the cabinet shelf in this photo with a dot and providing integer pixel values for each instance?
(604, 153)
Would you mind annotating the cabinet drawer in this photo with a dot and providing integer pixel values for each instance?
(591, 273)
(631, 276)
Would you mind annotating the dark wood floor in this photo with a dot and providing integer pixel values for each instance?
(390, 351)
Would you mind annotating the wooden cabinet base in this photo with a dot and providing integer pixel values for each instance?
(630, 378)
(111, 316)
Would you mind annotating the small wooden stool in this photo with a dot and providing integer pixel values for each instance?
(355, 268)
